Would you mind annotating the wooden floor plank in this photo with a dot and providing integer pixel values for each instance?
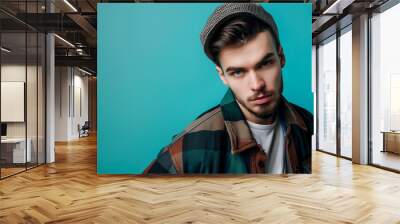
(70, 191)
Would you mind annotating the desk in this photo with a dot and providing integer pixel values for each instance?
(15, 148)
(391, 141)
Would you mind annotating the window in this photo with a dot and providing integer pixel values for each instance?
(346, 92)
(385, 88)
(327, 95)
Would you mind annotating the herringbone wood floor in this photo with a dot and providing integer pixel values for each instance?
(70, 191)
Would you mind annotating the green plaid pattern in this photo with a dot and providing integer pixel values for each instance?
(220, 141)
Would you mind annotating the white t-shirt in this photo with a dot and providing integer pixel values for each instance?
(271, 137)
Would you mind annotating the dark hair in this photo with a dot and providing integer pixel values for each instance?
(237, 31)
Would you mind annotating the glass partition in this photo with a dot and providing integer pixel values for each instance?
(14, 153)
(31, 100)
(41, 91)
(22, 77)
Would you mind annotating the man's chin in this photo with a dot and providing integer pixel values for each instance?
(265, 115)
(264, 112)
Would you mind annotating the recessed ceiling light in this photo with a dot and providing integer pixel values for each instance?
(64, 40)
(5, 50)
(84, 71)
(71, 6)
(333, 8)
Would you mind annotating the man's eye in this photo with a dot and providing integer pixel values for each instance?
(237, 73)
(265, 63)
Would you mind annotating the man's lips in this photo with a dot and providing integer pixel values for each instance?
(260, 100)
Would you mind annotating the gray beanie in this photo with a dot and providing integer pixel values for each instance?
(230, 10)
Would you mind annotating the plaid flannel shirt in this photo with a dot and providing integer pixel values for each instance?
(220, 141)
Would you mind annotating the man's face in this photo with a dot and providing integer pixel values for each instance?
(253, 72)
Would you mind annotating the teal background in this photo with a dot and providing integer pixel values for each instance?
(154, 79)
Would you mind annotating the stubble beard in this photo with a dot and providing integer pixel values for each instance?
(263, 115)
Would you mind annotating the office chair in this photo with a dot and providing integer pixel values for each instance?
(84, 130)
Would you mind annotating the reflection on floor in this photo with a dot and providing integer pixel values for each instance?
(345, 151)
(386, 159)
(10, 169)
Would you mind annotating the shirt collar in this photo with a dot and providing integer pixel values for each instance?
(237, 128)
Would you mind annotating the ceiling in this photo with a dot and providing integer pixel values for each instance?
(335, 15)
(76, 22)
(77, 25)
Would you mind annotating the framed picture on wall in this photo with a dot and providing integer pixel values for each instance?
(204, 88)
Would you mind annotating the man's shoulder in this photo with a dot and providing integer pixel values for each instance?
(209, 121)
(201, 141)
(302, 111)
(307, 116)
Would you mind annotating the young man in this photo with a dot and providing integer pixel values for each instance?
(254, 129)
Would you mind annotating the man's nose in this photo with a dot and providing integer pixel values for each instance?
(256, 81)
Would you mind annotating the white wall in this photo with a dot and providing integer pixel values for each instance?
(62, 81)
(71, 87)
